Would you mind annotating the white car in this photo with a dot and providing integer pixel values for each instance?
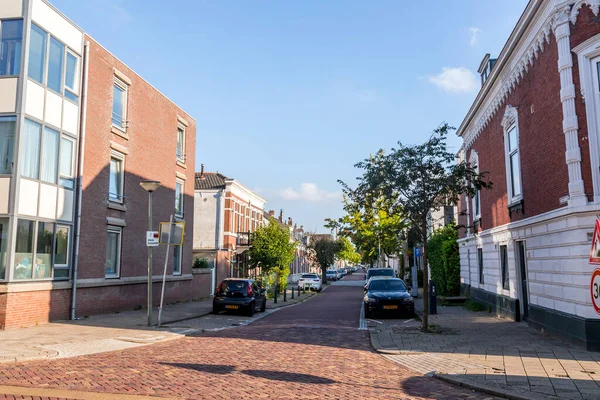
(310, 282)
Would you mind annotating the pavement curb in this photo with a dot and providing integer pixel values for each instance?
(183, 319)
(494, 389)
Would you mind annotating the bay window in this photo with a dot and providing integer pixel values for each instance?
(37, 54)
(55, 65)
(49, 162)
(11, 38)
(71, 77)
(66, 162)
(7, 143)
(30, 155)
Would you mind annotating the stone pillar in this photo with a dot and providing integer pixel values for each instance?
(562, 33)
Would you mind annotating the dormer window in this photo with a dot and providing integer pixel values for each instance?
(485, 68)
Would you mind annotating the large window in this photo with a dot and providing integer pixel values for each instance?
(55, 65)
(7, 144)
(504, 266)
(11, 35)
(49, 170)
(119, 111)
(176, 260)
(37, 54)
(510, 123)
(51, 245)
(113, 252)
(3, 246)
(476, 200)
(180, 144)
(66, 162)
(71, 77)
(480, 264)
(115, 187)
(179, 198)
(30, 154)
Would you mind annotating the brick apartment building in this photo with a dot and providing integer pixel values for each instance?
(225, 214)
(67, 108)
(534, 127)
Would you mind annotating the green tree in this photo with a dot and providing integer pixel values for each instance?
(416, 179)
(444, 260)
(272, 251)
(347, 252)
(325, 252)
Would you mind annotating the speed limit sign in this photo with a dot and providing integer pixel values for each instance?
(595, 288)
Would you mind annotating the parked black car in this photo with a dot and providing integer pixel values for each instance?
(236, 294)
(388, 295)
(380, 272)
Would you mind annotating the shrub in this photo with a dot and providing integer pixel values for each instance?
(201, 263)
(475, 306)
(444, 260)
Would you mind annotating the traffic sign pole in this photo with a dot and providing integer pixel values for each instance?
(162, 295)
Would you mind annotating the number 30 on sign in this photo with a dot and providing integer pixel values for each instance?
(595, 288)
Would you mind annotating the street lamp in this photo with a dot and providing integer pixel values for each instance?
(150, 186)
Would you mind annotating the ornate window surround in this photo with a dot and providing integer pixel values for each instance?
(588, 54)
(475, 200)
(511, 120)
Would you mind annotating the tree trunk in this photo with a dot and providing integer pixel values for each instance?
(324, 275)
(425, 279)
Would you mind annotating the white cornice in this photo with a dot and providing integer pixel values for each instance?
(523, 47)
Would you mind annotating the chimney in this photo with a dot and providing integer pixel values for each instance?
(272, 213)
(281, 215)
(290, 221)
(202, 177)
(295, 227)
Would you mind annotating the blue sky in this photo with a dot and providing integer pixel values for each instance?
(289, 95)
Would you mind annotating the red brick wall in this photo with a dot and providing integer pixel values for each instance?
(32, 308)
(542, 146)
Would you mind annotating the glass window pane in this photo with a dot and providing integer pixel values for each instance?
(113, 242)
(24, 250)
(55, 65)
(515, 173)
(176, 259)
(43, 254)
(10, 47)
(7, 143)
(180, 144)
(49, 156)
(115, 192)
(3, 246)
(61, 252)
(30, 154)
(61, 273)
(178, 198)
(37, 54)
(512, 139)
(118, 114)
(71, 72)
(71, 96)
(66, 157)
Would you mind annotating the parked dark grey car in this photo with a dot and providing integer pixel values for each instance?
(388, 295)
(236, 294)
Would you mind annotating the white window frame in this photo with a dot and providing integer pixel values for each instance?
(475, 200)
(120, 197)
(62, 266)
(181, 211)
(510, 122)
(118, 230)
(74, 91)
(180, 156)
(125, 87)
(588, 55)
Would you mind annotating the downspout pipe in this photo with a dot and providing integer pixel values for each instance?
(80, 159)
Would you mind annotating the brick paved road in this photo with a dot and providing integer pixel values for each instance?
(309, 351)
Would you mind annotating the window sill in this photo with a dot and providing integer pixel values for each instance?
(116, 206)
(112, 277)
(181, 164)
(179, 218)
(119, 132)
(516, 206)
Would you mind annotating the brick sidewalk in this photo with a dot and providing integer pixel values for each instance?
(500, 356)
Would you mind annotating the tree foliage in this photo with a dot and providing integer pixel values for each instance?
(444, 260)
(346, 252)
(415, 179)
(326, 252)
(272, 251)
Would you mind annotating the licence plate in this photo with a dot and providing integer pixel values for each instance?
(232, 307)
(390, 307)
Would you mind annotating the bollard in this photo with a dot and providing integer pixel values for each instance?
(275, 297)
(293, 292)
(298, 290)
(284, 294)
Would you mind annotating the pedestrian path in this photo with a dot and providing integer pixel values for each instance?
(477, 350)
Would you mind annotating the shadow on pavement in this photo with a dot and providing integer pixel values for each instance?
(288, 377)
(208, 368)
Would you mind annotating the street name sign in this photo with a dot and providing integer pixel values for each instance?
(151, 238)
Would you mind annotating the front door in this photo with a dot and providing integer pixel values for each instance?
(522, 268)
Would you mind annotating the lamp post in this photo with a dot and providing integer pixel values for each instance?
(150, 186)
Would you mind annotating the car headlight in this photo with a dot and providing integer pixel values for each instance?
(407, 300)
(371, 299)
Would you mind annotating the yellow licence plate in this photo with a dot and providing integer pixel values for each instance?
(390, 307)
(232, 307)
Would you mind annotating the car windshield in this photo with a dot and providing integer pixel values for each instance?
(330, 272)
(310, 276)
(381, 272)
(233, 286)
(384, 284)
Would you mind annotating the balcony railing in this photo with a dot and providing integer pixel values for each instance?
(244, 239)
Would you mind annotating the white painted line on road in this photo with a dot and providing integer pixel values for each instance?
(406, 322)
(374, 320)
(362, 326)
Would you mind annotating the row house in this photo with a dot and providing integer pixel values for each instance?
(226, 213)
(79, 131)
(535, 128)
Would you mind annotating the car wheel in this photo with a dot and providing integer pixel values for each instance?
(250, 311)
(264, 306)
(215, 310)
